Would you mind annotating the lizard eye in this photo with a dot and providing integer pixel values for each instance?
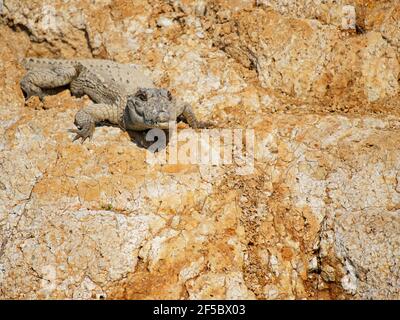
(141, 95)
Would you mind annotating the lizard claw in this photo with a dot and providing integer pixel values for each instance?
(84, 126)
(206, 125)
(83, 133)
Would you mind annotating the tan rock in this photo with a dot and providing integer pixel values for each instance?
(305, 59)
(315, 218)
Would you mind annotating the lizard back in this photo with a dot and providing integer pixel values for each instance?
(126, 77)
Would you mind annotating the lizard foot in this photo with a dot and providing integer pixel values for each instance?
(83, 132)
(205, 125)
(30, 94)
(85, 126)
(30, 90)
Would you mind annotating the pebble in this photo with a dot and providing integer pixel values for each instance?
(348, 17)
(164, 22)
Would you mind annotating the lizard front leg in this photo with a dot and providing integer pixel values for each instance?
(36, 80)
(95, 113)
(189, 117)
(110, 108)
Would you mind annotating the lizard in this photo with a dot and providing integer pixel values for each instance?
(121, 94)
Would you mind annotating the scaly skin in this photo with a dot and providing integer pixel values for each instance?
(110, 106)
(122, 94)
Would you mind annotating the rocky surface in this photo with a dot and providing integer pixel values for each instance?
(316, 218)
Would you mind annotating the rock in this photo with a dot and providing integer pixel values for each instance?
(310, 211)
(273, 45)
(164, 22)
(348, 18)
(385, 19)
(200, 8)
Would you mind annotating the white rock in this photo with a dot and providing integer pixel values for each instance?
(200, 8)
(348, 18)
(164, 22)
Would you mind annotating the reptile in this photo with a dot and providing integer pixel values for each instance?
(121, 94)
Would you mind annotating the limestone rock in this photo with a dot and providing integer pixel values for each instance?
(311, 61)
(314, 216)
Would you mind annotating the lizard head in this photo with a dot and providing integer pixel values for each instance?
(151, 108)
